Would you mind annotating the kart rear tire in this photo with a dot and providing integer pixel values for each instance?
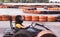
(46, 33)
(22, 33)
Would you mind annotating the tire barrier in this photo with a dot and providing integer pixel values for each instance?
(40, 12)
(3, 6)
(54, 8)
(34, 10)
(28, 18)
(0, 18)
(52, 18)
(37, 12)
(42, 18)
(32, 6)
(33, 18)
(5, 18)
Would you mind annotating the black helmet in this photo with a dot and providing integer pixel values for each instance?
(18, 19)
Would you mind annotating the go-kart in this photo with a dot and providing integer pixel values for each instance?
(29, 31)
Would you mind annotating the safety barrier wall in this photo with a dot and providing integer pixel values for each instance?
(41, 12)
(33, 18)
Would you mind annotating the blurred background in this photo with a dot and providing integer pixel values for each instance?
(30, 1)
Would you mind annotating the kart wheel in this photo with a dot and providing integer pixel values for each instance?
(46, 33)
(22, 33)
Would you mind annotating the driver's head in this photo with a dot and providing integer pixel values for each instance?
(19, 19)
(48, 35)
